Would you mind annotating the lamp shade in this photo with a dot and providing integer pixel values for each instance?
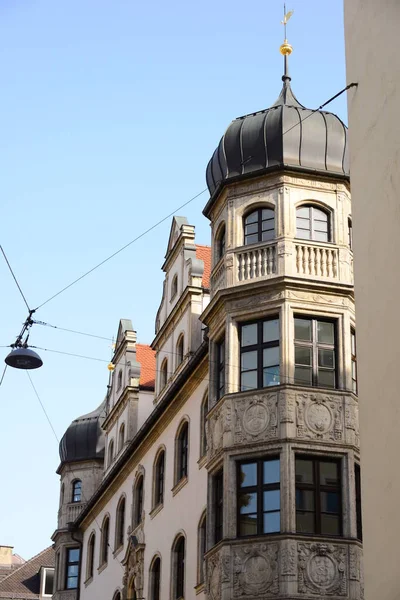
(23, 358)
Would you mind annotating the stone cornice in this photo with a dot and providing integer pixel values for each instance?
(179, 308)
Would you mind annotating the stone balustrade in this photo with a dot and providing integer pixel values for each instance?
(255, 263)
(316, 261)
(69, 513)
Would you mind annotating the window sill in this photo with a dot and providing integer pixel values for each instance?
(102, 567)
(202, 461)
(88, 581)
(156, 510)
(177, 488)
(200, 587)
(118, 550)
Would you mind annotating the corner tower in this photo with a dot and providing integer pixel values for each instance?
(284, 517)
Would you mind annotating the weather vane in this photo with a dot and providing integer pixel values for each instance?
(286, 49)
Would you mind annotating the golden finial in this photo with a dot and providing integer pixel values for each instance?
(286, 49)
(111, 366)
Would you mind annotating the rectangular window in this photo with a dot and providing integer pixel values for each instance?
(259, 498)
(314, 352)
(357, 474)
(218, 505)
(318, 496)
(72, 568)
(220, 369)
(259, 354)
(353, 361)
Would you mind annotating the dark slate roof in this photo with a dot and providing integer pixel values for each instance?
(84, 438)
(285, 135)
(24, 582)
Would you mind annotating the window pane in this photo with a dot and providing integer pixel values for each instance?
(326, 358)
(248, 525)
(268, 235)
(272, 500)
(330, 524)
(329, 473)
(251, 239)
(73, 571)
(304, 471)
(268, 225)
(305, 522)
(303, 223)
(321, 225)
(302, 329)
(73, 555)
(271, 471)
(271, 356)
(305, 500)
(249, 334)
(320, 236)
(353, 344)
(272, 522)
(319, 214)
(330, 502)
(247, 503)
(326, 378)
(267, 213)
(251, 229)
(271, 376)
(303, 211)
(303, 234)
(303, 375)
(302, 355)
(271, 330)
(249, 360)
(326, 332)
(248, 474)
(49, 583)
(72, 583)
(252, 217)
(248, 381)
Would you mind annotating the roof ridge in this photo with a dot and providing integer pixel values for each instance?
(202, 246)
(14, 571)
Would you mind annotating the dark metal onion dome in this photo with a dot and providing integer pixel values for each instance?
(84, 438)
(286, 135)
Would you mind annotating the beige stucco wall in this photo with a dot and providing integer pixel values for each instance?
(373, 61)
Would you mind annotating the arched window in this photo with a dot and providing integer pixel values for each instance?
(350, 232)
(117, 596)
(164, 374)
(174, 286)
(119, 384)
(111, 453)
(90, 556)
(312, 223)
(105, 534)
(120, 524)
(221, 243)
(121, 436)
(203, 431)
(77, 490)
(259, 226)
(138, 501)
(182, 451)
(178, 568)
(202, 547)
(159, 475)
(180, 350)
(155, 579)
(62, 494)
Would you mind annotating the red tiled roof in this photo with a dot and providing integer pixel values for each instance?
(204, 254)
(147, 359)
(24, 582)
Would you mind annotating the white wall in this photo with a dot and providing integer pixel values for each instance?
(373, 61)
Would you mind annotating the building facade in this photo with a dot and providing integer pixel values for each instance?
(235, 473)
(370, 28)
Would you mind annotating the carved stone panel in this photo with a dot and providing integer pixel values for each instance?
(351, 423)
(214, 577)
(255, 418)
(319, 416)
(322, 569)
(255, 571)
(217, 426)
(288, 558)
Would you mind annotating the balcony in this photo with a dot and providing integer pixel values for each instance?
(286, 257)
(69, 513)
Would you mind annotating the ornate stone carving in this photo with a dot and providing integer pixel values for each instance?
(255, 571)
(351, 423)
(133, 562)
(288, 559)
(319, 417)
(322, 569)
(255, 418)
(261, 299)
(217, 425)
(287, 408)
(354, 563)
(214, 577)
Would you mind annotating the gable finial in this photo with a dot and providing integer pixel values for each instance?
(286, 49)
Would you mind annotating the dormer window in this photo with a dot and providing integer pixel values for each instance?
(259, 226)
(312, 223)
(174, 287)
(47, 581)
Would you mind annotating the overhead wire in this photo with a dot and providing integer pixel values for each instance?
(15, 278)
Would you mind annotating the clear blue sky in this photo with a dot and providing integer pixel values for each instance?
(109, 113)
